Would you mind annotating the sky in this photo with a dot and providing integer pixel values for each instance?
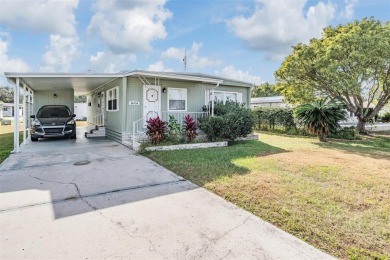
(245, 40)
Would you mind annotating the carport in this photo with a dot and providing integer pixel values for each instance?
(30, 85)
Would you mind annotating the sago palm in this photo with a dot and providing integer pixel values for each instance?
(320, 117)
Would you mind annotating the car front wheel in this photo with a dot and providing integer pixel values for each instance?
(34, 139)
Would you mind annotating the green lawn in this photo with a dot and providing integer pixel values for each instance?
(7, 144)
(335, 195)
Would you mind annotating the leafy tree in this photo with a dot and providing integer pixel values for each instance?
(80, 99)
(350, 62)
(7, 94)
(321, 117)
(265, 90)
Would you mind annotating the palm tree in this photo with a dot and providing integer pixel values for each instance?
(321, 117)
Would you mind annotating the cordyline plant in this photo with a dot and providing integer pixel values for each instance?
(320, 117)
(189, 127)
(156, 129)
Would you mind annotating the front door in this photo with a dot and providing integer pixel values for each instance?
(152, 101)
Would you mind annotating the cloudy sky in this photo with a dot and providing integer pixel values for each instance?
(241, 39)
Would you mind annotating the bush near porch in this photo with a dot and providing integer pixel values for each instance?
(335, 195)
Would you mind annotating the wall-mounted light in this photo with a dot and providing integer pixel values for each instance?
(55, 95)
(164, 90)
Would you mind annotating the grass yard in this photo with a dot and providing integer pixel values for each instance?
(7, 144)
(335, 195)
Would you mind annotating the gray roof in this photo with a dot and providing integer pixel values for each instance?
(85, 82)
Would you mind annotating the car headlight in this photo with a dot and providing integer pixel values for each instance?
(71, 122)
(36, 123)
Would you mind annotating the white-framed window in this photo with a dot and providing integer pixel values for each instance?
(177, 99)
(225, 96)
(112, 99)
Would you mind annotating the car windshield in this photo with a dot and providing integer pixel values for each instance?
(53, 111)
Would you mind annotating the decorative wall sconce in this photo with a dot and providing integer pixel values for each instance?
(55, 95)
(164, 90)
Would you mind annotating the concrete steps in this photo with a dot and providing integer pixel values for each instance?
(98, 131)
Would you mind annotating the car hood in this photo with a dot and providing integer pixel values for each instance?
(54, 121)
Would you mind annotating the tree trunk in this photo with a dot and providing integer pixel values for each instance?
(322, 136)
(361, 126)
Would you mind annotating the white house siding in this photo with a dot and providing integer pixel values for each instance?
(80, 109)
(7, 110)
(63, 97)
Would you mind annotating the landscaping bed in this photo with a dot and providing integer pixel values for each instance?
(333, 195)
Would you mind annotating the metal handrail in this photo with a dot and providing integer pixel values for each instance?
(97, 120)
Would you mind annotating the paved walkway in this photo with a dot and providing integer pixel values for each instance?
(122, 206)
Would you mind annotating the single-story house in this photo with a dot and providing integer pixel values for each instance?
(7, 110)
(275, 101)
(122, 102)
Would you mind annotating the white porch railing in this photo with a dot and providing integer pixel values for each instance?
(179, 116)
(139, 126)
(97, 120)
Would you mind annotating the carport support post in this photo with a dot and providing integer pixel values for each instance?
(16, 116)
(24, 113)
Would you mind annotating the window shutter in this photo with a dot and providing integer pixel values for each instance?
(239, 97)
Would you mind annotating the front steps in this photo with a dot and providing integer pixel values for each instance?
(98, 131)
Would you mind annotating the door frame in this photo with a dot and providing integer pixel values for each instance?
(144, 110)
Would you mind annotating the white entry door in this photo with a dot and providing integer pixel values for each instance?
(152, 101)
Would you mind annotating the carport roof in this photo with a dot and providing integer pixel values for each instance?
(83, 83)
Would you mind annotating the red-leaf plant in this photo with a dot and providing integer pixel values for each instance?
(190, 126)
(156, 130)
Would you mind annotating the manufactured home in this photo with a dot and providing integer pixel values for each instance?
(120, 103)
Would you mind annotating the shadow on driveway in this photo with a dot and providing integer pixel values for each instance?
(47, 172)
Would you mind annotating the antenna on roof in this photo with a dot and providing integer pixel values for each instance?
(185, 60)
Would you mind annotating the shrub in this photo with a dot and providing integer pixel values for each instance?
(268, 118)
(190, 127)
(156, 129)
(231, 120)
(213, 127)
(386, 117)
(174, 128)
(348, 133)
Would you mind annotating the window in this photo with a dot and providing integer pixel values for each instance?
(231, 96)
(112, 99)
(225, 96)
(177, 99)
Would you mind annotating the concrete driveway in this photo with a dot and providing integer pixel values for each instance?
(122, 206)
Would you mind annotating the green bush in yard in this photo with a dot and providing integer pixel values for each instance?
(386, 117)
(213, 127)
(347, 133)
(230, 121)
(268, 118)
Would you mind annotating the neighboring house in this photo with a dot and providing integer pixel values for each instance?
(7, 110)
(122, 102)
(278, 101)
(80, 109)
(275, 101)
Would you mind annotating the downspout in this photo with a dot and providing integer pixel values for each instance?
(212, 99)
